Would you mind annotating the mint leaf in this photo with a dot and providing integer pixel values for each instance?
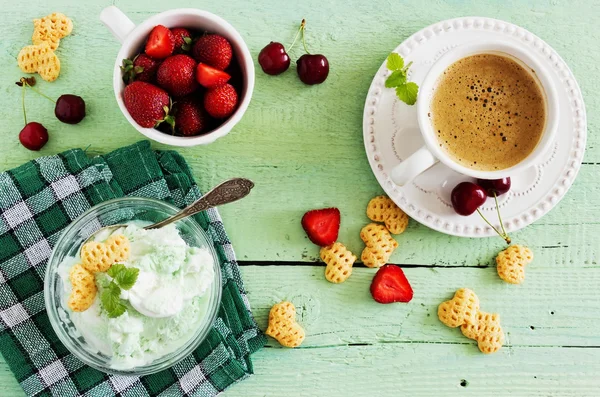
(111, 302)
(127, 277)
(118, 310)
(110, 298)
(397, 78)
(395, 61)
(407, 93)
(115, 269)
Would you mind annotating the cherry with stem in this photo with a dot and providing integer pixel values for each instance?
(312, 68)
(33, 135)
(467, 197)
(68, 108)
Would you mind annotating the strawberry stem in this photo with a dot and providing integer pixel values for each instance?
(503, 235)
(297, 34)
(23, 104)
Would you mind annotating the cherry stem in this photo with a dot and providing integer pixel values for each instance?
(302, 25)
(303, 28)
(504, 236)
(37, 91)
(499, 216)
(23, 104)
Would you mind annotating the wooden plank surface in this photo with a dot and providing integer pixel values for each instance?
(303, 148)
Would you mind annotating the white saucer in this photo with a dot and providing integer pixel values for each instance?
(391, 134)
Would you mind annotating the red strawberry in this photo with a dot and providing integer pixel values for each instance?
(190, 117)
(177, 75)
(214, 50)
(183, 40)
(208, 76)
(149, 67)
(161, 42)
(147, 104)
(390, 285)
(322, 226)
(220, 101)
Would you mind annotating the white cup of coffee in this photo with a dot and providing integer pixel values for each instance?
(487, 107)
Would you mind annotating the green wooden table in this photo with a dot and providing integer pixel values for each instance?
(303, 148)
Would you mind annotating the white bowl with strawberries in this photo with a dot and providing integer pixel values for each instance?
(183, 77)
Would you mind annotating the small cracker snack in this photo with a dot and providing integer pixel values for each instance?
(487, 331)
(51, 29)
(339, 262)
(283, 325)
(511, 263)
(95, 257)
(41, 59)
(84, 288)
(117, 247)
(44, 33)
(379, 245)
(383, 209)
(461, 309)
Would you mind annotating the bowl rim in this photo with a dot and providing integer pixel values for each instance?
(160, 363)
(245, 59)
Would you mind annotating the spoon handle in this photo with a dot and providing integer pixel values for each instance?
(227, 192)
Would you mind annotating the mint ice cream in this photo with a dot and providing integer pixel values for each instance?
(165, 307)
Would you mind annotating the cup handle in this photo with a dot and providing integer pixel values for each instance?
(415, 164)
(117, 22)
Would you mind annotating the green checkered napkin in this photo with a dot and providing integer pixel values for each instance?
(37, 201)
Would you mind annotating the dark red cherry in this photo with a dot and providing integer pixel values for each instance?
(497, 186)
(70, 109)
(33, 136)
(273, 59)
(466, 197)
(312, 68)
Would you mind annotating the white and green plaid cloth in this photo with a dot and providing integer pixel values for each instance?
(37, 201)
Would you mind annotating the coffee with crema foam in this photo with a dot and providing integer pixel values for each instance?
(488, 112)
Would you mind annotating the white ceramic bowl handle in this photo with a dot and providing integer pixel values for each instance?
(117, 22)
(409, 169)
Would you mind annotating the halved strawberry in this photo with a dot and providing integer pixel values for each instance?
(322, 226)
(391, 285)
(161, 42)
(207, 76)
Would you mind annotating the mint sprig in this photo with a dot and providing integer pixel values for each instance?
(405, 91)
(122, 278)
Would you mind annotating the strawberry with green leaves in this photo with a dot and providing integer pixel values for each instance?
(147, 104)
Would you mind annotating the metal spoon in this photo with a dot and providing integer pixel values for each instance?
(227, 192)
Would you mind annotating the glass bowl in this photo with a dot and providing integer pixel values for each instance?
(108, 213)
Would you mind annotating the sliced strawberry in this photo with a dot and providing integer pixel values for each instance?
(207, 76)
(161, 42)
(322, 226)
(391, 285)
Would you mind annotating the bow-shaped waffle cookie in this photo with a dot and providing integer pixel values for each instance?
(339, 262)
(511, 263)
(99, 257)
(283, 325)
(379, 245)
(83, 289)
(383, 209)
(461, 309)
(487, 331)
